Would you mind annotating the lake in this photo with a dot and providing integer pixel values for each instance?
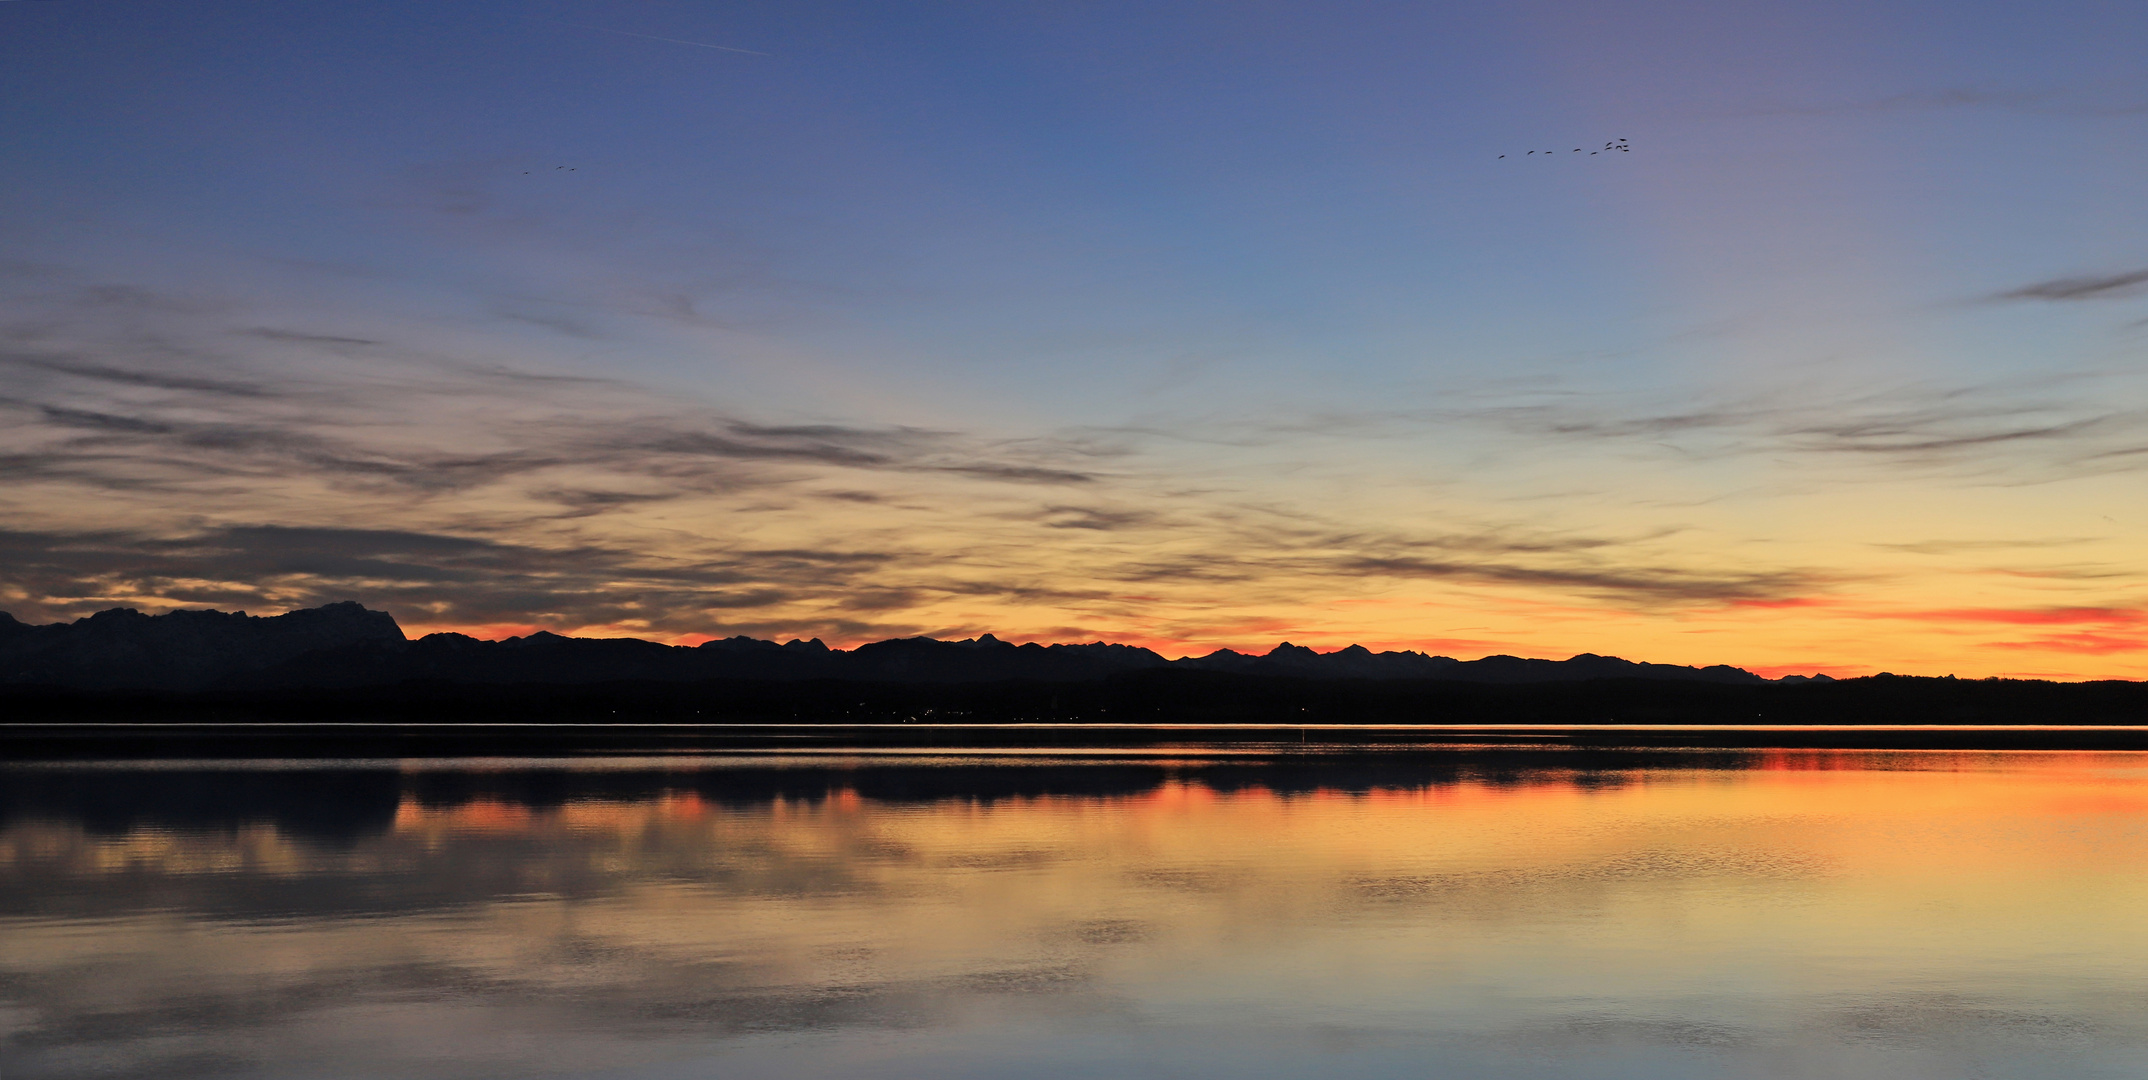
(1192, 911)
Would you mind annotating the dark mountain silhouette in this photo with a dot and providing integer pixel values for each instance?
(345, 645)
(550, 658)
(183, 650)
(1358, 662)
(342, 680)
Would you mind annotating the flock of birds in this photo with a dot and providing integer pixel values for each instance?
(556, 168)
(1618, 146)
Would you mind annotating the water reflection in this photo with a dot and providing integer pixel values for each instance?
(1463, 914)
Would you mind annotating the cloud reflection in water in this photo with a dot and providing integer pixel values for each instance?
(1762, 915)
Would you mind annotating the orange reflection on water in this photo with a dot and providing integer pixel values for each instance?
(1798, 896)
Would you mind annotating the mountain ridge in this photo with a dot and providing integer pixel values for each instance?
(345, 644)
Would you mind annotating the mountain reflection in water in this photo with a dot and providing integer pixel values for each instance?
(1778, 914)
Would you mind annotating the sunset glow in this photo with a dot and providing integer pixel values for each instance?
(1179, 326)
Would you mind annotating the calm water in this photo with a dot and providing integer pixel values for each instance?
(1519, 914)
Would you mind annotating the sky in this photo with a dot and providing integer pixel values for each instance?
(1184, 325)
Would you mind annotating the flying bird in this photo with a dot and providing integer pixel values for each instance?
(1618, 145)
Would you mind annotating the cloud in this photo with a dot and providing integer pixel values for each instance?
(123, 377)
(122, 450)
(1645, 584)
(135, 299)
(1083, 517)
(1917, 428)
(2090, 287)
(442, 428)
(897, 449)
(727, 445)
(98, 421)
(501, 495)
(422, 577)
(1952, 547)
(2058, 425)
(559, 324)
(294, 337)
(1928, 434)
(457, 493)
(1021, 474)
(2094, 630)
(2048, 616)
(588, 503)
(2083, 644)
(2066, 424)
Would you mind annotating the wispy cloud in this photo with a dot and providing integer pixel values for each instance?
(2082, 630)
(1627, 583)
(151, 379)
(1926, 426)
(2088, 287)
(2047, 616)
(475, 494)
(430, 428)
(2060, 425)
(496, 496)
(2080, 644)
(1955, 547)
(272, 334)
(424, 577)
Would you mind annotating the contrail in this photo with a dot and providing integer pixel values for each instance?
(653, 37)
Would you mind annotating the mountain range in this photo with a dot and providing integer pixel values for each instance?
(345, 645)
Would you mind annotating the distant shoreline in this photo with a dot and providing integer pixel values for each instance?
(257, 740)
(1145, 698)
